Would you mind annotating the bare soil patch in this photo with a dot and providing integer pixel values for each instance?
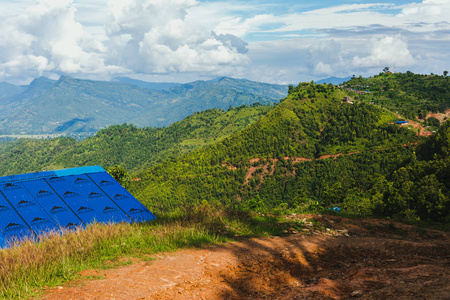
(378, 260)
(268, 168)
(440, 116)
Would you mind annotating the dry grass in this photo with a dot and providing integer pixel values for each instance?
(28, 266)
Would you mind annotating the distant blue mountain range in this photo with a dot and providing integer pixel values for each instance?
(147, 85)
(71, 106)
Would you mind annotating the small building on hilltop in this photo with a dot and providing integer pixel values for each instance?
(402, 122)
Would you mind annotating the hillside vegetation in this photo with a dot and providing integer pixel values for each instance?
(412, 95)
(281, 162)
(311, 151)
(126, 145)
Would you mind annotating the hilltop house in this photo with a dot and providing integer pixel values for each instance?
(402, 122)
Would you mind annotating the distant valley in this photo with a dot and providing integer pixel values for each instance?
(79, 108)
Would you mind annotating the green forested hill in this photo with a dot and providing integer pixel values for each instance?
(412, 95)
(281, 161)
(131, 147)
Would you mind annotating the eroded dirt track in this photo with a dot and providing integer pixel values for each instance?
(378, 261)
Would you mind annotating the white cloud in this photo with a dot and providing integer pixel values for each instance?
(148, 36)
(323, 55)
(240, 27)
(388, 51)
(431, 12)
(267, 41)
(46, 39)
(153, 36)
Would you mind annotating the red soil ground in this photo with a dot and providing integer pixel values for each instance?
(377, 259)
(440, 116)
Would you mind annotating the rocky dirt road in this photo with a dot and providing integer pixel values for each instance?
(378, 259)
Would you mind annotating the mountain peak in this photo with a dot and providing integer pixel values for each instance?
(218, 79)
(42, 80)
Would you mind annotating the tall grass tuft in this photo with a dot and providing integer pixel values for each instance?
(29, 266)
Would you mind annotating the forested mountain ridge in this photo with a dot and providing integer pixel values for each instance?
(411, 95)
(126, 145)
(280, 162)
(78, 107)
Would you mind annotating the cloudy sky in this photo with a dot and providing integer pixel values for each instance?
(279, 41)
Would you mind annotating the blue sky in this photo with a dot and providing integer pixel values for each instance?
(186, 40)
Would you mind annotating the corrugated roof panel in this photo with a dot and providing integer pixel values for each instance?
(110, 211)
(27, 207)
(3, 243)
(41, 202)
(57, 173)
(12, 226)
(130, 205)
(52, 204)
(84, 210)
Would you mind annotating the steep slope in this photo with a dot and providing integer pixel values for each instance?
(280, 159)
(126, 145)
(82, 107)
(9, 90)
(421, 188)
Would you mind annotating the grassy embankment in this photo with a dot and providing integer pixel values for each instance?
(26, 269)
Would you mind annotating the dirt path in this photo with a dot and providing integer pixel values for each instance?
(379, 260)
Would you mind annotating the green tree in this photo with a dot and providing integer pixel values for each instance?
(434, 121)
(430, 199)
(120, 174)
(290, 89)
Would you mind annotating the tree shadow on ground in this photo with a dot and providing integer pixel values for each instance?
(323, 267)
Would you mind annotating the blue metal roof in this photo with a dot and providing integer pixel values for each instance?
(12, 226)
(56, 173)
(131, 206)
(3, 243)
(79, 205)
(109, 210)
(35, 204)
(52, 204)
(27, 207)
